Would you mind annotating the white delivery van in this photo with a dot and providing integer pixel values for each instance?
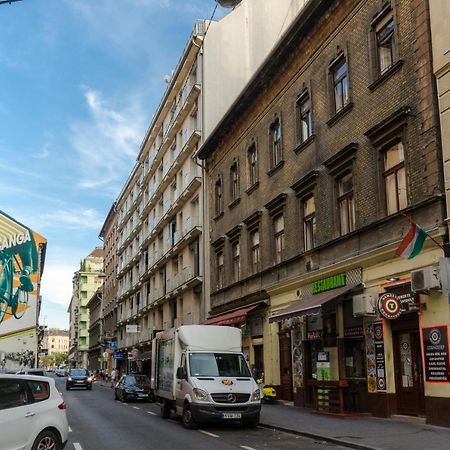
(200, 373)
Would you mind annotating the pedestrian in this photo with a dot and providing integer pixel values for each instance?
(114, 375)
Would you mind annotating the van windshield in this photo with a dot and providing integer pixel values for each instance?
(218, 365)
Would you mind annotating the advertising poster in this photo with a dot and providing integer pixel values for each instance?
(21, 255)
(379, 356)
(435, 347)
(370, 352)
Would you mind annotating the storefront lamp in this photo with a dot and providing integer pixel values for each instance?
(393, 279)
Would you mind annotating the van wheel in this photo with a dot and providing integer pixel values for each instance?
(250, 423)
(47, 440)
(187, 419)
(165, 409)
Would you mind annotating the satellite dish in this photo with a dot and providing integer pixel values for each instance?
(228, 3)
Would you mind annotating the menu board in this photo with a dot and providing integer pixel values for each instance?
(379, 356)
(435, 347)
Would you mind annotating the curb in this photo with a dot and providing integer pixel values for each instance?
(331, 440)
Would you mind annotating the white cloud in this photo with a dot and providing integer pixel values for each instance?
(73, 219)
(56, 284)
(107, 145)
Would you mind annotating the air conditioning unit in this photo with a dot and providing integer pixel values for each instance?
(363, 305)
(425, 279)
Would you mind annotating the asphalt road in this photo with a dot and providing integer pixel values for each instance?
(98, 422)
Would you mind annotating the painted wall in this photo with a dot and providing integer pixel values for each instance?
(235, 47)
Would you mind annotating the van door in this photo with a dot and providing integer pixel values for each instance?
(182, 387)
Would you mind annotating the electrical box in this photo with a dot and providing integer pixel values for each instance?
(425, 279)
(363, 305)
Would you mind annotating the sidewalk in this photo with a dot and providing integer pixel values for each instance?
(368, 433)
(361, 433)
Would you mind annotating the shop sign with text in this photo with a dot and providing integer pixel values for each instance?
(326, 284)
(389, 306)
(435, 347)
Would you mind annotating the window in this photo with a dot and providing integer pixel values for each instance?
(304, 117)
(234, 181)
(385, 44)
(12, 394)
(309, 223)
(254, 251)
(275, 143)
(340, 84)
(346, 203)
(278, 225)
(218, 196)
(236, 261)
(39, 389)
(220, 270)
(252, 156)
(395, 178)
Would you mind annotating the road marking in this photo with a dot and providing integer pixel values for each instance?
(136, 407)
(152, 413)
(247, 448)
(208, 434)
(70, 430)
(77, 446)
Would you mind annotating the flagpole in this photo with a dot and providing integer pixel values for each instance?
(431, 237)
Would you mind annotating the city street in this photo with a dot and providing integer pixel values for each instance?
(98, 422)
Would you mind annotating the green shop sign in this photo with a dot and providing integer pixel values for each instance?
(327, 284)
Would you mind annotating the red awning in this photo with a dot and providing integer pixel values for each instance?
(237, 316)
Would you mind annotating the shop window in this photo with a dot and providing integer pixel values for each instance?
(394, 175)
(346, 204)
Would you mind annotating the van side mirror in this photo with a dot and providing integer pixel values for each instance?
(181, 373)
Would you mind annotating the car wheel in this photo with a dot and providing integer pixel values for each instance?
(47, 440)
(67, 388)
(151, 397)
(251, 423)
(89, 388)
(115, 396)
(124, 398)
(187, 419)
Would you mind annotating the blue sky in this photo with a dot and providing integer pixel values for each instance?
(79, 83)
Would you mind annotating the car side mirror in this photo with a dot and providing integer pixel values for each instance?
(181, 373)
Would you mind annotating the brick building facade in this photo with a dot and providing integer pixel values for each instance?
(310, 175)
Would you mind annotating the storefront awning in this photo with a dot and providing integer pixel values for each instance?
(230, 318)
(309, 304)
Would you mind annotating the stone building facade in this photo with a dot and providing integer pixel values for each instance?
(310, 176)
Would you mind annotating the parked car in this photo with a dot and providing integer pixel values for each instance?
(78, 378)
(41, 372)
(134, 387)
(61, 372)
(32, 413)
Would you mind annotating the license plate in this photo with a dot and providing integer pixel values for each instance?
(79, 382)
(142, 395)
(231, 415)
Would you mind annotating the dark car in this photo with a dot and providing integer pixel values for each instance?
(134, 387)
(79, 378)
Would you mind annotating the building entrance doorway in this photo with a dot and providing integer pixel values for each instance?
(409, 383)
(286, 390)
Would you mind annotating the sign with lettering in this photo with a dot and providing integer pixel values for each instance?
(379, 356)
(326, 284)
(435, 347)
(389, 306)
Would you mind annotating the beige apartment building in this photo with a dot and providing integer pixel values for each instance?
(160, 264)
(56, 341)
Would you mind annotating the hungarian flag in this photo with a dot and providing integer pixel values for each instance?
(412, 243)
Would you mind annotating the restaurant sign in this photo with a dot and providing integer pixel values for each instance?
(435, 345)
(326, 284)
(389, 306)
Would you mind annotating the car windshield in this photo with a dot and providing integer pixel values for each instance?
(218, 365)
(79, 373)
(137, 379)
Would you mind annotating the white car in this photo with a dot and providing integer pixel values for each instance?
(32, 414)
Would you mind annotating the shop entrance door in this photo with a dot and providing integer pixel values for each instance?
(408, 373)
(285, 366)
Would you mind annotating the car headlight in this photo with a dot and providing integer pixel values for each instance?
(200, 394)
(89, 379)
(256, 396)
(129, 391)
(69, 379)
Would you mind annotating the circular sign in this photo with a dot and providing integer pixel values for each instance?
(105, 354)
(381, 384)
(435, 336)
(389, 306)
